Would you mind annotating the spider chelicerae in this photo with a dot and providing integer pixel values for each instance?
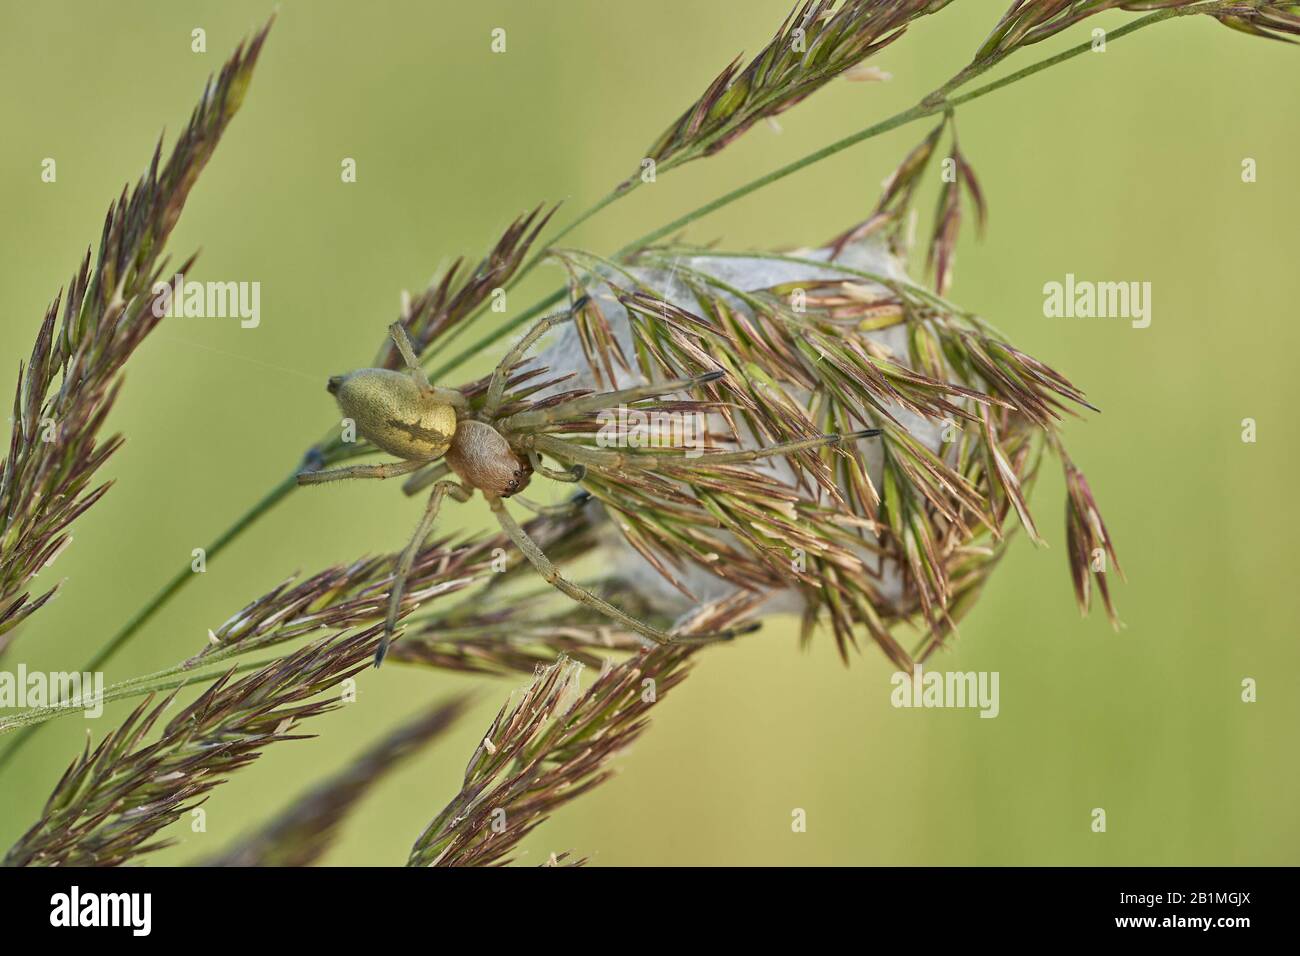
(424, 426)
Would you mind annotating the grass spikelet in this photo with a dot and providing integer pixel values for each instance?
(55, 450)
(550, 745)
(113, 800)
(818, 41)
(1088, 542)
(442, 309)
(1027, 22)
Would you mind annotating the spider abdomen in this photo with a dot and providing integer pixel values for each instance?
(391, 410)
(483, 459)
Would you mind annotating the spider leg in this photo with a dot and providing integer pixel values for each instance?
(613, 460)
(585, 455)
(403, 342)
(497, 386)
(573, 474)
(407, 559)
(594, 403)
(387, 469)
(552, 576)
(784, 448)
(423, 479)
(556, 510)
(450, 396)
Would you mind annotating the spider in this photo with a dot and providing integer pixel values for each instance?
(404, 414)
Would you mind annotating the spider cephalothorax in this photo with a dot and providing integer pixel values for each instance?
(434, 431)
(482, 458)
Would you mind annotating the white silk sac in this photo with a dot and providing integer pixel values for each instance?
(565, 356)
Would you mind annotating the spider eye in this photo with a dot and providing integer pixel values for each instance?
(332, 386)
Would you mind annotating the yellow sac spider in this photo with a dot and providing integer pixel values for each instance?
(403, 414)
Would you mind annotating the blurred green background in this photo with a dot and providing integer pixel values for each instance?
(1121, 166)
